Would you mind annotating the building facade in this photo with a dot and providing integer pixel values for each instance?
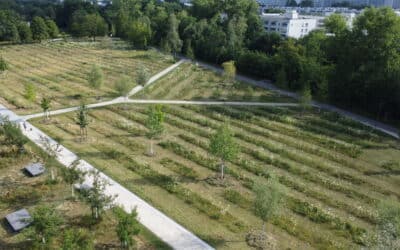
(289, 24)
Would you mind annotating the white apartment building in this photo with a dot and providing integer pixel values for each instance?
(289, 24)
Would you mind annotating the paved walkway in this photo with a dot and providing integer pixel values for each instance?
(165, 228)
(167, 102)
(387, 129)
(157, 76)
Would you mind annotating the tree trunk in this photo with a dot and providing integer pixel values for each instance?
(72, 190)
(263, 227)
(222, 169)
(52, 174)
(96, 213)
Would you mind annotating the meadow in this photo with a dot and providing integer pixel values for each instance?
(334, 171)
(59, 70)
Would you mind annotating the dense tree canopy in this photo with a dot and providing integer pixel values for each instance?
(355, 67)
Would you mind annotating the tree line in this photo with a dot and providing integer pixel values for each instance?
(356, 68)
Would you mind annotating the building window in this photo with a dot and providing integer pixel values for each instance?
(273, 23)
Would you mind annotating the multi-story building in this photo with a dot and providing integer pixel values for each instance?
(289, 24)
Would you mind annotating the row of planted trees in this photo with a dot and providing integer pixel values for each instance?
(47, 222)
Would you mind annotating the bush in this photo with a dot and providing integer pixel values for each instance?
(260, 240)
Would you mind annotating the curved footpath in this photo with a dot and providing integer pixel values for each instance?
(165, 228)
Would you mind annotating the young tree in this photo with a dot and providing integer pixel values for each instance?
(223, 146)
(51, 150)
(45, 225)
(154, 124)
(229, 71)
(305, 98)
(96, 197)
(142, 75)
(95, 77)
(127, 226)
(52, 28)
(30, 92)
(268, 199)
(172, 39)
(82, 120)
(77, 239)
(45, 104)
(12, 134)
(39, 29)
(3, 65)
(72, 175)
(124, 85)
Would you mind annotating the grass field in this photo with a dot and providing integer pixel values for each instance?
(191, 82)
(335, 171)
(332, 185)
(59, 70)
(17, 191)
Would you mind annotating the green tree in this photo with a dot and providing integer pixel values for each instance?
(77, 239)
(39, 29)
(139, 33)
(335, 24)
(45, 104)
(82, 120)
(72, 175)
(142, 75)
(95, 77)
(268, 200)
(96, 197)
(25, 33)
(368, 64)
(95, 25)
(52, 28)
(127, 227)
(154, 124)
(13, 135)
(229, 71)
(30, 92)
(172, 39)
(45, 225)
(15, 35)
(124, 85)
(290, 58)
(3, 64)
(223, 146)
